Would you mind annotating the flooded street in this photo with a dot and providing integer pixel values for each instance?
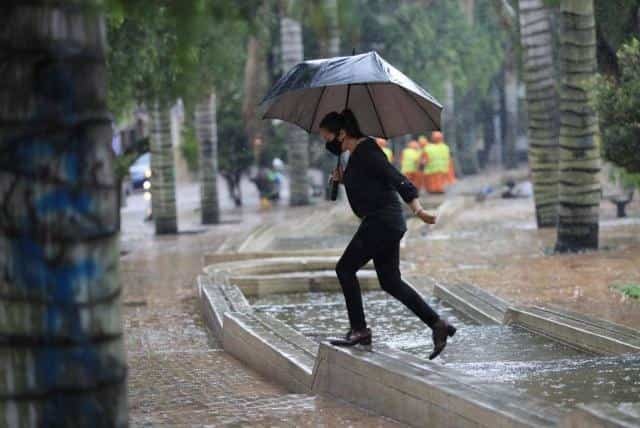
(507, 355)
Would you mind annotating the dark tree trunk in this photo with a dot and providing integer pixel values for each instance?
(63, 360)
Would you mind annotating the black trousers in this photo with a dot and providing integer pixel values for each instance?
(382, 244)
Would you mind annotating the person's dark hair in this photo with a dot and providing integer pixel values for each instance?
(334, 122)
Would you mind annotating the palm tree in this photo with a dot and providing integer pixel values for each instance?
(63, 358)
(297, 139)
(542, 105)
(207, 133)
(163, 185)
(510, 126)
(579, 148)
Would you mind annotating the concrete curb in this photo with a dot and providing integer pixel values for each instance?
(589, 334)
(600, 416)
(416, 393)
(267, 348)
(482, 307)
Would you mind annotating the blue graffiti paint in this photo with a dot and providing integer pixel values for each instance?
(34, 268)
(32, 271)
(72, 167)
(63, 200)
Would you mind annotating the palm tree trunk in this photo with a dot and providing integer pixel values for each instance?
(297, 139)
(579, 149)
(449, 124)
(511, 106)
(163, 184)
(542, 106)
(254, 87)
(207, 132)
(63, 361)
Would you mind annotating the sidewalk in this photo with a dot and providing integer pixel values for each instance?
(178, 374)
(496, 245)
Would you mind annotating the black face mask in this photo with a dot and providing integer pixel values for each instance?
(334, 146)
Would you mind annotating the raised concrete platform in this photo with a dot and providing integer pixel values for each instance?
(479, 305)
(259, 277)
(386, 380)
(420, 393)
(602, 416)
(223, 257)
(272, 348)
(261, 285)
(592, 335)
(218, 299)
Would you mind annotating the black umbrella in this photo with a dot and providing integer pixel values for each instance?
(386, 102)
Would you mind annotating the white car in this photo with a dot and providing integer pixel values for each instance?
(140, 172)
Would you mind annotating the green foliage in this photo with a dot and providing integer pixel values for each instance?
(234, 152)
(618, 105)
(616, 20)
(189, 147)
(431, 43)
(630, 290)
(182, 49)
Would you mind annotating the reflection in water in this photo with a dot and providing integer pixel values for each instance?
(510, 355)
(322, 314)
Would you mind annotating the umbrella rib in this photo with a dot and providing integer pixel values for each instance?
(421, 108)
(375, 109)
(315, 111)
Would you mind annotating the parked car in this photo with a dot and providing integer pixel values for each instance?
(140, 172)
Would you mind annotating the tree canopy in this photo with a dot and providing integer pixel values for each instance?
(618, 104)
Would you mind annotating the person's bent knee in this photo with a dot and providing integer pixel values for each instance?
(392, 284)
(343, 270)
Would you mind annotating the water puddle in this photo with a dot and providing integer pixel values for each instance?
(505, 354)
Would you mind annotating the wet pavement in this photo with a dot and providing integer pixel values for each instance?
(495, 245)
(178, 374)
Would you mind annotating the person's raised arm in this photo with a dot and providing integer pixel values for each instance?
(377, 163)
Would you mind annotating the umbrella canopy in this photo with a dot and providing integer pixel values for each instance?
(386, 102)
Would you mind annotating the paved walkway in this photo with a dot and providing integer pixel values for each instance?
(496, 245)
(178, 374)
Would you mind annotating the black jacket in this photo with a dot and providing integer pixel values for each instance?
(372, 184)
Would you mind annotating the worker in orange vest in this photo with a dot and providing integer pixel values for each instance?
(438, 162)
(410, 162)
(451, 175)
(423, 142)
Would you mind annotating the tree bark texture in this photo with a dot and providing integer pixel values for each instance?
(163, 183)
(542, 108)
(63, 361)
(579, 197)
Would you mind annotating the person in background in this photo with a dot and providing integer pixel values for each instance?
(409, 162)
(422, 179)
(438, 162)
(451, 174)
(387, 151)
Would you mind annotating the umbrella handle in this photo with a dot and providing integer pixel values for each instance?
(334, 185)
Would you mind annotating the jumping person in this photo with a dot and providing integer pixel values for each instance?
(371, 184)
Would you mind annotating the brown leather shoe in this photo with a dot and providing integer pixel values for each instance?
(441, 330)
(358, 337)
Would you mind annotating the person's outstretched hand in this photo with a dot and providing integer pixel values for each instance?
(426, 217)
